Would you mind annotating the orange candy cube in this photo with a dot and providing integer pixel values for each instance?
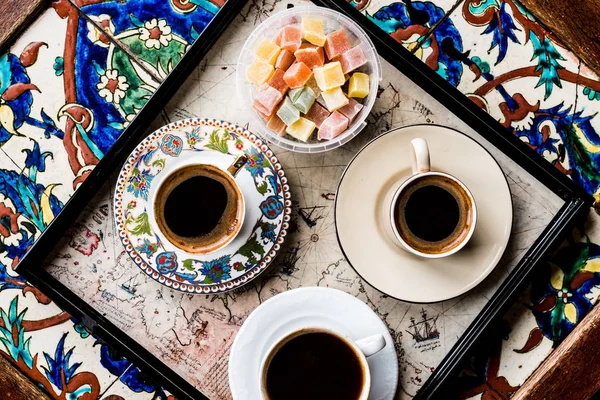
(336, 44)
(297, 75)
(277, 81)
(284, 60)
(310, 55)
(289, 38)
(276, 125)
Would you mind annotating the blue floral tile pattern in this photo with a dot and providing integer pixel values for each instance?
(67, 92)
(157, 34)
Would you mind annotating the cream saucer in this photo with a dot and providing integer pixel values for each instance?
(309, 306)
(378, 170)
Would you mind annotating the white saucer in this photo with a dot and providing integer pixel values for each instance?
(309, 306)
(378, 170)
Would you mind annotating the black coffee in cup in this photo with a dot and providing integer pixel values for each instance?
(198, 208)
(433, 214)
(316, 366)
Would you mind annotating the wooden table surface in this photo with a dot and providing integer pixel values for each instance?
(575, 23)
(16, 15)
(16, 386)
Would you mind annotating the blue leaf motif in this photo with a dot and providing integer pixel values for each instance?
(35, 159)
(502, 28)
(216, 270)
(16, 347)
(548, 58)
(8, 281)
(59, 365)
(26, 196)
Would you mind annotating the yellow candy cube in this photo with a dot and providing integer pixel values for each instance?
(359, 85)
(259, 72)
(301, 129)
(313, 31)
(334, 99)
(329, 75)
(268, 51)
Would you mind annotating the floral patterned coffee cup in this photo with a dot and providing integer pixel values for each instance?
(181, 204)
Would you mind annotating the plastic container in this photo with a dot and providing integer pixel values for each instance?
(333, 21)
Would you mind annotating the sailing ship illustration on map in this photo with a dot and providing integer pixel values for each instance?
(425, 329)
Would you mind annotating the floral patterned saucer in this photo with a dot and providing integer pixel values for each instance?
(263, 185)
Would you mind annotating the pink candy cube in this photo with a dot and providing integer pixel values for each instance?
(297, 75)
(333, 126)
(277, 81)
(336, 44)
(263, 116)
(289, 38)
(284, 60)
(266, 100)
(317, 114)
(310, 55)
(352, 59)
(351, 109)
(276, 125)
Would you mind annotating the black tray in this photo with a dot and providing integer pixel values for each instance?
(576, 206)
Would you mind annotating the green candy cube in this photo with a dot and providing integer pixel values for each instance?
(287, 112)
(304, 100)
(294, 93)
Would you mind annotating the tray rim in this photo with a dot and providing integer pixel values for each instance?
(576, 205)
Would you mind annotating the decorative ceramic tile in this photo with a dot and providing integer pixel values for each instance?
(546, 313)
(134, 385)
(39, 338)
(156, 32)
(521, 74)
(411, 23)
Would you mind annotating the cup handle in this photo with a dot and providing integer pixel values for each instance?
(420, 156)
(371, 345)
(238, 164)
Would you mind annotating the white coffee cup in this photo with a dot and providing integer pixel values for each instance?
(362, 348)
(421, 168)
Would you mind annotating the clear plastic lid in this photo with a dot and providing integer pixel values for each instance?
(333, 21)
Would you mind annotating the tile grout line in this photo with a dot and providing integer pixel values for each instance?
(117, 379)
(576, 91)
(10, 158)
(116, 42)
(436, 25)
